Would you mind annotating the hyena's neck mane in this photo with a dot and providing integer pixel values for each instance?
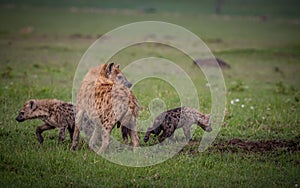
(103, 81)
(102, 89)
(196, 114)
(44, 108)
(203, 118)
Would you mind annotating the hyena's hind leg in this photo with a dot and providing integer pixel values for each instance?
(71, 132)
(40, 130)
(131, 130)
(135, 141)
(125, 131)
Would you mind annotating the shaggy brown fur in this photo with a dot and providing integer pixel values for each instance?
(54, 113)
(105, 98)
(183, 117)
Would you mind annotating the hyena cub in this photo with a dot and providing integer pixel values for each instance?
(182, 117)
(104, 97)
(54, 113)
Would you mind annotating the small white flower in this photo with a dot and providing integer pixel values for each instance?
(251, 107)
(237, 100)
(232, 102)
(242, 105)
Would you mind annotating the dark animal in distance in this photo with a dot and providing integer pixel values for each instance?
(211, 62)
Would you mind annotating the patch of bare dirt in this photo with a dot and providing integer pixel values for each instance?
(258, 146)
(236, 145)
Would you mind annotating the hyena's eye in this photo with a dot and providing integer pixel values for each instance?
(21, 113)
(119, 77)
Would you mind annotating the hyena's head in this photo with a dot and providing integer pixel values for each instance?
(204, 122)
(28, 111)
(113, 74)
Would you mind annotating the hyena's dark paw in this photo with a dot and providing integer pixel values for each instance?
(146, 138)
(73, 148)
(208, 129)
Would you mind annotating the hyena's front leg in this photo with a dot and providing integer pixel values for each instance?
(78, 121)
(187, 132)
(147, 135)
(40, 130)
(94, 138)
(155, 129)
(105, 135)
(62, 134)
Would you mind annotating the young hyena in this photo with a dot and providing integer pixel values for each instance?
(182, 117)
(105, 98)
(54, 113)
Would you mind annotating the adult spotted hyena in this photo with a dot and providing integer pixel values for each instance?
(105, 98)
(54, 113)
(182, 117)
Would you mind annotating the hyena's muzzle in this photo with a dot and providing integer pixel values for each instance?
(21, 117)
(127, 84)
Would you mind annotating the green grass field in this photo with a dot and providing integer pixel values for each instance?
(41, 45)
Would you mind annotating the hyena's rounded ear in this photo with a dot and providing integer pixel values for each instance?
(109, 68)
(118, 66)
(32, 104)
